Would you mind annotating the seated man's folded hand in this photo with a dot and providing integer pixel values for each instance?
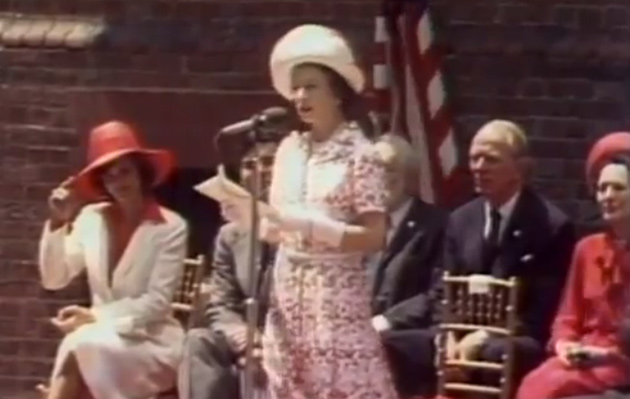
(451, 348)
(469, 346)
(236, 337)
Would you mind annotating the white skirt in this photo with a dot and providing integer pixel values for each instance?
(129, 367)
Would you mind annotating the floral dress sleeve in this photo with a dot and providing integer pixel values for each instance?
(368, 182)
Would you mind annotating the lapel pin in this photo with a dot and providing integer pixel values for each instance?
(411, 223)
(527, 258)
(517, 233)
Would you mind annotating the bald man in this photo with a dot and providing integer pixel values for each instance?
(402, 273)
(508, 230)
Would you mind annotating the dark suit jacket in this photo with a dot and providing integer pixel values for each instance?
(230, 280)
(536, 247)
(404, 274)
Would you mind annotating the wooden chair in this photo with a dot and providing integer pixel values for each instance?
(472, 303)
(185, 304)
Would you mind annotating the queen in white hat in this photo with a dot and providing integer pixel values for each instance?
(328, 189)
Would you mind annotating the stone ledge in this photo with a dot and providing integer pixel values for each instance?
(79, 32)
(35, 31)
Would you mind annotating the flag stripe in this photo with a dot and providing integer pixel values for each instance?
(414, 94)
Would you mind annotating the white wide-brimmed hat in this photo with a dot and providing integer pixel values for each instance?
(313, 44)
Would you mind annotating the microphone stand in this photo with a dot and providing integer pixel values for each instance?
(252, 303)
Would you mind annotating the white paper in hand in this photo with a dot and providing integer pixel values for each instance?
(221, 189)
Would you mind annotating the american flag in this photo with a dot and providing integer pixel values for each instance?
(410, 90)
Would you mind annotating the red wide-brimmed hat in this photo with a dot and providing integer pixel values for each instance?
(110, 141)
(602, 151)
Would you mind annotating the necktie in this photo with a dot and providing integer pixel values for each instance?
(374, 260)
(495, 228)
(492, 240)
(389, 226)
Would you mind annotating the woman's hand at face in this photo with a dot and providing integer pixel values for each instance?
(64, 203)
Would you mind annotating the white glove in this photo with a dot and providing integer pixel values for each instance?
(320, 226)
(380, 323)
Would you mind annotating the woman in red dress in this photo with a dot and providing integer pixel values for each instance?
(587, 357)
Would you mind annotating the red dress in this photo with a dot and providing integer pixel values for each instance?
(590, 313)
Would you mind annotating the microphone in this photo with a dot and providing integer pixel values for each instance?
(264, 126)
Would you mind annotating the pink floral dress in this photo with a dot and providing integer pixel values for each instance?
(319, 342)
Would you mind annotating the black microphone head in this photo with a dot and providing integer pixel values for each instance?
(274, 115)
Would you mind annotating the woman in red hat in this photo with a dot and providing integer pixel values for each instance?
(589, 357)
(105, 222)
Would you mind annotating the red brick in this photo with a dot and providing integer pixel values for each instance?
(34, 368)
(9, 366)
(590, 19)
(22, 289)
(559, 69)
(30, 7)
(615, 16)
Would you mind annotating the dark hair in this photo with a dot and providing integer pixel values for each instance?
(145, 172)
(353, 105)
(622, 159)
(595, 170)
(263, 150)
(263, 155)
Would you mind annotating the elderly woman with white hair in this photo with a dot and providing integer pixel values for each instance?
(328, 190)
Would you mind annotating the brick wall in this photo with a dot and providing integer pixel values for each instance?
(559, 67)
(181, 69)
(178, 69)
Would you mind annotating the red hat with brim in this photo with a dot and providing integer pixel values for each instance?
(111, 141)
(603, 151)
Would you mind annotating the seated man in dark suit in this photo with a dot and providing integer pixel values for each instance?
(402, 273)
(509, 230)
(212, 354)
